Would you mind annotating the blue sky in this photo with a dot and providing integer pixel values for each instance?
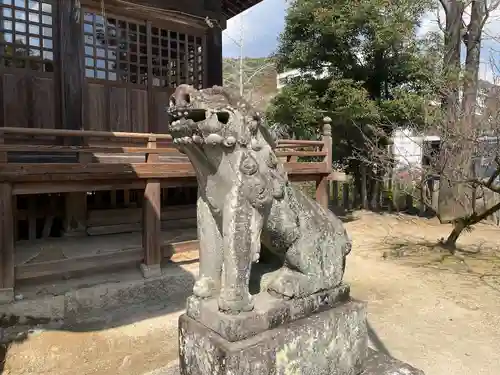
(263, 23)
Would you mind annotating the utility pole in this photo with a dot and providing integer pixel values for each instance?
(241, 56)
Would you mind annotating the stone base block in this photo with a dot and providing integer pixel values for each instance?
(6, 295)
(269, 312)
(382, 364)
(376, 364)
(330, 342)
(153, 270)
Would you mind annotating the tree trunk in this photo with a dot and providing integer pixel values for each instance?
(451, 241)
(448, 207)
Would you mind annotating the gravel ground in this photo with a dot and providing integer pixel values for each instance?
(439, 313)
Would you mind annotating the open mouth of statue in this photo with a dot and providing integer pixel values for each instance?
(193, 125)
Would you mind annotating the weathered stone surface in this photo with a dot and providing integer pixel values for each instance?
(382, 364)
(150, 271)
(269, 312)
(332, 342)
(376, 364)
(245, 198)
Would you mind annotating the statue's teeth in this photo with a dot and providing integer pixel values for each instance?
(186, 113)
(197, 139)
(187, 140)
(229, 141)
(214, 139)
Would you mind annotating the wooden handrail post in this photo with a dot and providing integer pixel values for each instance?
(322, 183)
(151, 223)
(6, 243)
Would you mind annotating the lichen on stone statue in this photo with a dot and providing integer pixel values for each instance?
(245, 200)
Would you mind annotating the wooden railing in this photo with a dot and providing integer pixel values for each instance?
(76, 162)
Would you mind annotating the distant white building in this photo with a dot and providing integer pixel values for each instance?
(283, 78)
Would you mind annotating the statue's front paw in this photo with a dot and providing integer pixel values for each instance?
(290, 284)
(235, 305)
(205, 287)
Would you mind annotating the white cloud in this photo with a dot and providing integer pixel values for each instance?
(261, 26)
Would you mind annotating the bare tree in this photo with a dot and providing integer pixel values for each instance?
(481, 181)
(460, 120)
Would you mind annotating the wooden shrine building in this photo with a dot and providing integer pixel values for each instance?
(86, 163)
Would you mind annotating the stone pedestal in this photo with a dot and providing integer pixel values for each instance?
(323, 334)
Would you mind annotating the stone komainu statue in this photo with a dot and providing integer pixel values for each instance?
(245, 200)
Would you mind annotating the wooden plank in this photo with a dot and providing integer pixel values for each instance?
(44, 115)
(98, 218)
(6, 237)
(306, 168)
(139, 111)
(82, 133)
(86, 149)
(160, 100)
(69, 187)
(151, 226)
(301, 153)
(137, 227)
(298, 142)
(15, 101)
(94, 171)
(33, 270)
(119, 119)
(95, 113)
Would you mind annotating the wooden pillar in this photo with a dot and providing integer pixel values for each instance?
(72, 81)
(213, 67)
(323, 184)
(6, 244)
(151, 225)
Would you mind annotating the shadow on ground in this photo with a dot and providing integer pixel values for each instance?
(145, 299)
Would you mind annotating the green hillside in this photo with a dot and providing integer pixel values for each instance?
(259, 75)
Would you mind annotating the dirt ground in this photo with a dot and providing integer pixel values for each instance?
(439, 313)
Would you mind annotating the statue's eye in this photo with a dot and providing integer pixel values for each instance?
(249, 165)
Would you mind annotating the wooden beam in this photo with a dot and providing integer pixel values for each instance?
(82, 133)
(213, 57)
(6, 244)
(71, 63)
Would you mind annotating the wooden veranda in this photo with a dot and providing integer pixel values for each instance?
(88, 177)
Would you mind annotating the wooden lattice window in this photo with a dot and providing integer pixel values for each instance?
(177, 58)
(26, 34)
(115, 49)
